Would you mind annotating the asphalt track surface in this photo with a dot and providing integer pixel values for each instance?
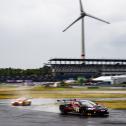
(31, 116)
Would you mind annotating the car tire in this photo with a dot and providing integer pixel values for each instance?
(62, 109)
(83, 111)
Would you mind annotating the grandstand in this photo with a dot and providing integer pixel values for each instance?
(72, 68)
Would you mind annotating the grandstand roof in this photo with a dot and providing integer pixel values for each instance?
(104, 60)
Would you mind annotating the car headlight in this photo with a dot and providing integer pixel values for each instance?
(90, 108)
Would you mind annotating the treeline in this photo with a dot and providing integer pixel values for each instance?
(40, 74)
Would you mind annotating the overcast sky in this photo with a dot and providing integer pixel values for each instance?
(31, 31)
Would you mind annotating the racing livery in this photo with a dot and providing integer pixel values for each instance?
(82, 107)
(21, 102)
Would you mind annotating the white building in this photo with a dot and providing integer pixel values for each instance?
(112, 79)
(119, 79)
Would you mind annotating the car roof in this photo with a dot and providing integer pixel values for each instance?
(74, 100)
(84, 100)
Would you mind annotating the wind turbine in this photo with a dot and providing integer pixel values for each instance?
(83, 14)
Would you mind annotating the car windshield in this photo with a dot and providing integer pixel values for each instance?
(88, 103)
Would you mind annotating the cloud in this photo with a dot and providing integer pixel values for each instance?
(31, 31)
(110, 42)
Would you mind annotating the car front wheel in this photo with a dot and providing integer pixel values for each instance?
(83, 111)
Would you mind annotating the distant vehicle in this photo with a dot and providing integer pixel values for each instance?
(82, 107)
(51, 84)
(69, 81)
(21, 102)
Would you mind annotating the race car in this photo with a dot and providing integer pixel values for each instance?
(82, 107)
(21, 102)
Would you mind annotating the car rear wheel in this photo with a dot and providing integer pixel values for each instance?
(62, 109)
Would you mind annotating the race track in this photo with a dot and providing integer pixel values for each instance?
(35, 115)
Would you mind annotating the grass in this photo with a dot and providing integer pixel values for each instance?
(11, 92)
(114, 104)
(41, 88)
(71, 94)
(41, 92)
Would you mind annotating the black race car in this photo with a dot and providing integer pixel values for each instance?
(82, 107)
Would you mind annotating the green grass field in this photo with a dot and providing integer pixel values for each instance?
(11, 92)
(114, 104)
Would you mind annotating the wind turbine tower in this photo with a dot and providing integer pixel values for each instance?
(83, 14)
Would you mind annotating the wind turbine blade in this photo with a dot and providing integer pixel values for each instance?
(73, 23)
(97, 18)
(81, 6)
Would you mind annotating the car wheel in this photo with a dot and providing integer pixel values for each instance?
(83, 111)
(62, 109)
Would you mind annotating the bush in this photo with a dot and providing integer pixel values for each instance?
(93, 87)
